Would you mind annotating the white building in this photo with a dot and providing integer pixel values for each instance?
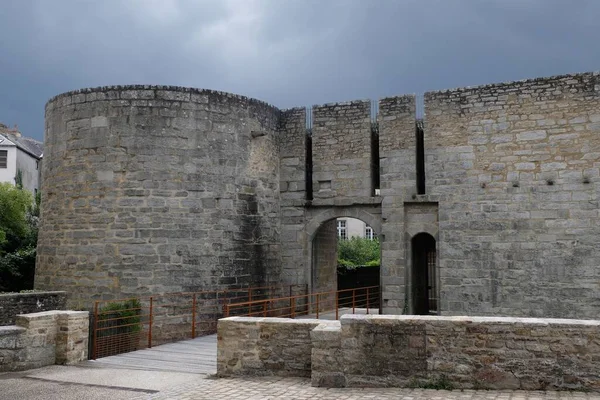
(349, 227)
(20, 155)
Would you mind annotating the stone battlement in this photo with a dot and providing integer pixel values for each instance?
(148, 92)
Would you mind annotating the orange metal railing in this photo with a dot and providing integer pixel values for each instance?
(119, 326)
(324, 305)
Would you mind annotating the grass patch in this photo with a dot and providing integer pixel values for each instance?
(440, 383)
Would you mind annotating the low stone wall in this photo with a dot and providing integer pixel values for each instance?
(12, 304)
(386, 350)
(44, 338)
(264, 346)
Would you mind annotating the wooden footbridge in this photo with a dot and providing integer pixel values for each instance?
(177, 331)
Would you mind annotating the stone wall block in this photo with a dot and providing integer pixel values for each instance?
(326, 356)
(72, 337)
(39, 340)
(341, 148)
(264, 346)
(44, 338)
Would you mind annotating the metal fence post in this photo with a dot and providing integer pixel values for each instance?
(367, 300)
(353, 301)
(293, 307)
(307, 299)
(150, 324)
(291, 312)
(317, 305)
(337, 305)
(194, 316)
(95, 333)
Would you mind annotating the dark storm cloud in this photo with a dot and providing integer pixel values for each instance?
(287, 52)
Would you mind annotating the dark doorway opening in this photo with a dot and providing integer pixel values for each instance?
(361, 277)
(424, 279)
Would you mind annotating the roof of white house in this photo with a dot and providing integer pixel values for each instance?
(28, 145)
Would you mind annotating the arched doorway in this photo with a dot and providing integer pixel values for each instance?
(424, 277)
(357, 277)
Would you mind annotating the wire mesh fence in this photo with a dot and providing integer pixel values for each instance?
(120, 326)
(323, 305)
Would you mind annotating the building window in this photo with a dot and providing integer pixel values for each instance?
(3, 158)
(342, 230)
(369, 234)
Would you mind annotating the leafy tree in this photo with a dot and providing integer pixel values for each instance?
(358, 252)
(14, 207)
(19, 179)
(19, 216)
(17, 270)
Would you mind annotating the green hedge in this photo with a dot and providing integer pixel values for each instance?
(358, 252)
(120, 317)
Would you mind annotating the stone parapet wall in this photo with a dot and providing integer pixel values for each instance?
(44, 338)
(264, 346)
(388, 351)
(12, 304)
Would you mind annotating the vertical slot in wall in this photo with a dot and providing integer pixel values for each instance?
(308, 158)
(420, 157)
(375, 168)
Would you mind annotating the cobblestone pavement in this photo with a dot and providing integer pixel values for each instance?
(297, 388)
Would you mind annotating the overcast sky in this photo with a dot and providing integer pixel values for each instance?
(286, 52)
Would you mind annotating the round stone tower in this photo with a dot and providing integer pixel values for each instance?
(155, 189)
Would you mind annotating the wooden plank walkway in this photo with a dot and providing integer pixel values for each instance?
(196, 356)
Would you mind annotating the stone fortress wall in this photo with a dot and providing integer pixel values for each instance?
(155, 189)
(516, 169)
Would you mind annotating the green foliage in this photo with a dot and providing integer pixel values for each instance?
(17, 270)
(358, 252)
(120, 317)
(19, 179)
(19, 216)
(440, 383)
(14, 207)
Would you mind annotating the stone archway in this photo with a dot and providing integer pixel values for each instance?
(373, 220)
(321, 236)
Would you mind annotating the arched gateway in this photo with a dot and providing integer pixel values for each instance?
(322, 237)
